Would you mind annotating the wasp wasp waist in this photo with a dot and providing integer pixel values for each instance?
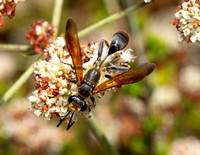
(88, 85)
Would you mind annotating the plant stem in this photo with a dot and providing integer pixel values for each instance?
(15, 47)
(57, 15)
(111, 18)
(100, 136)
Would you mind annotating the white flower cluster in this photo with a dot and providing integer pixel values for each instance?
(187, 21)
(189, 79)
(40, 34)
(53, 74)
(147, 1)
(187, 146)
(165, 97)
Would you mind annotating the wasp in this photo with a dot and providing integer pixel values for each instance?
(88, 85)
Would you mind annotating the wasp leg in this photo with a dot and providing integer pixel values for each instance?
(73, 81)
(107, 44)
(108, 76)
(61, 120)
(99, 53)
(93, 101)
(65, 63)
(117, 68)
(70, 122)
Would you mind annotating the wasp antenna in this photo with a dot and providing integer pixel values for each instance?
(70, 124)
(61, 120)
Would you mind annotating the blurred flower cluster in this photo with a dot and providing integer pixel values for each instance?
(187, 21)
(165, 97)
(7, 8)
(22, 129)
(40, 34)
(185, 146)
(188, 81)
(53, 74)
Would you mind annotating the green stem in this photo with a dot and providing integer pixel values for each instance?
(101, 137)
(57, 15)
(111, 18)
(136, 35)
(15, 47)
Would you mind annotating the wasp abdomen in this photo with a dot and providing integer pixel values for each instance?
(119, 41)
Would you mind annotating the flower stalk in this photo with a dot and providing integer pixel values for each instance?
(56, 16)
(12, 47)
(100, 136)
(111, 18)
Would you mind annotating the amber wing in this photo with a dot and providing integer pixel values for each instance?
(73, 46)
(131, 76)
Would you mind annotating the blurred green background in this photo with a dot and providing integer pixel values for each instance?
(159, 115)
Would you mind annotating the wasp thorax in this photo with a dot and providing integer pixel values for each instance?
(119, 41)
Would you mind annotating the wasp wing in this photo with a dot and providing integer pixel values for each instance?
(73, 46)
(128, 77)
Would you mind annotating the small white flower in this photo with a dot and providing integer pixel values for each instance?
(127, 56)
(63, 91)
(193, 38)
(50, 101)
(147, 1)
(64, 109)
(37, 112)
(186, 32)
(53, 86)
(60, 42)
(32, 98)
